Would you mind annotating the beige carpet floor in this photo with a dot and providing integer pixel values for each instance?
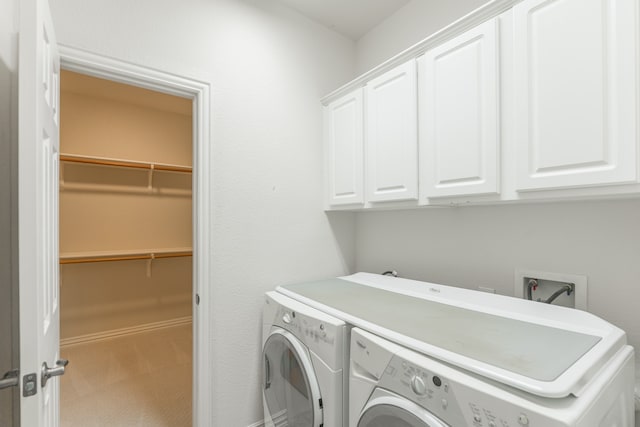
(142, 380)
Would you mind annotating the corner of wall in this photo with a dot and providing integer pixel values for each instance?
(412, 23)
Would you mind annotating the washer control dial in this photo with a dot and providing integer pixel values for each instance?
(286, 318)
(418, 386)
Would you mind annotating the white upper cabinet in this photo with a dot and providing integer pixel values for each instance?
(521, 100)
(343, 120)
(391, 152)
(459, 117)
(576, 88)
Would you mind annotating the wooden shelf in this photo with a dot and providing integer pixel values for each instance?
(105, 161)
(128, 255)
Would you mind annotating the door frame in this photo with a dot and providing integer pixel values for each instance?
(199, 90)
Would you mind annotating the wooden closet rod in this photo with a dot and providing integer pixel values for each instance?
(123, 163)
(80, 260)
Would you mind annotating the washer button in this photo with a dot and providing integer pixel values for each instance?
(446, 388)
(523, 420)
(437, 381)
(492, 424)
(286, 318)
(477, 418)
(444, 403)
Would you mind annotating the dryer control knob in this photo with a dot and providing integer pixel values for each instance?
(418, 386)
(286, 318)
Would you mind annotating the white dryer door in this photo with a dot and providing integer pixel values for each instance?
(290, 388)
(392, 411)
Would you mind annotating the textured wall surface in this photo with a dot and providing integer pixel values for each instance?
(268, 67)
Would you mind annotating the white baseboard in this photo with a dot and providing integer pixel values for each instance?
(116, 333)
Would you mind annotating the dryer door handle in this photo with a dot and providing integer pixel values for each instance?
(267, 373)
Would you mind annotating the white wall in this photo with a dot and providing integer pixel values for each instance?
(268, 67)
(410, 24)
(483, 246)
(8, 185)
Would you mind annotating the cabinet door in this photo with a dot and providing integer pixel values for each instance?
(459, 115)
(392, 136)
(344, 141)
(575, 93)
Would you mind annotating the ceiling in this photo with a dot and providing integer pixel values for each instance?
(82, 84)
(351, 18)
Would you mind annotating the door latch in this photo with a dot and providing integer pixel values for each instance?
(29, 385)
(10, 379)
(48, 372)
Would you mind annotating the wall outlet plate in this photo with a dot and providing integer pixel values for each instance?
(579, 295)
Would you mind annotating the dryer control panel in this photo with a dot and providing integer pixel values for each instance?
(321, 333)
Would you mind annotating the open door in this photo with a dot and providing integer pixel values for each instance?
(39, 74)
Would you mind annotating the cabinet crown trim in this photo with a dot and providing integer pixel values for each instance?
(483, 13)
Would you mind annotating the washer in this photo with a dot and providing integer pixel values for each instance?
(500, 354)
(305, 360)
(391, 386)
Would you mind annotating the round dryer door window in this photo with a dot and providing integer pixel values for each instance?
(291, 391)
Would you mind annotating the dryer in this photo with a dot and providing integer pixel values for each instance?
(304, 365)
(392, 386)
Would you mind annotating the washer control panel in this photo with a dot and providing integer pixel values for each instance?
(424, 387)
(456, 397)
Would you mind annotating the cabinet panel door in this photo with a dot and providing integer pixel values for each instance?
(344, 141)
(575, 93)
(392, 133)
(459, 115)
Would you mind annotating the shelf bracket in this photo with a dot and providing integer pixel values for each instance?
(150, 263)
(150, 183)
(61, 174)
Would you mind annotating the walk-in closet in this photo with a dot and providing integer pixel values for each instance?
(125, 254)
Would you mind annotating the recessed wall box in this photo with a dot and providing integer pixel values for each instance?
(547, 284)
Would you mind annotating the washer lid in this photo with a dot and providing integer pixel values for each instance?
(546, 350)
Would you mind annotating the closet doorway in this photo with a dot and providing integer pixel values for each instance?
(126, 282)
